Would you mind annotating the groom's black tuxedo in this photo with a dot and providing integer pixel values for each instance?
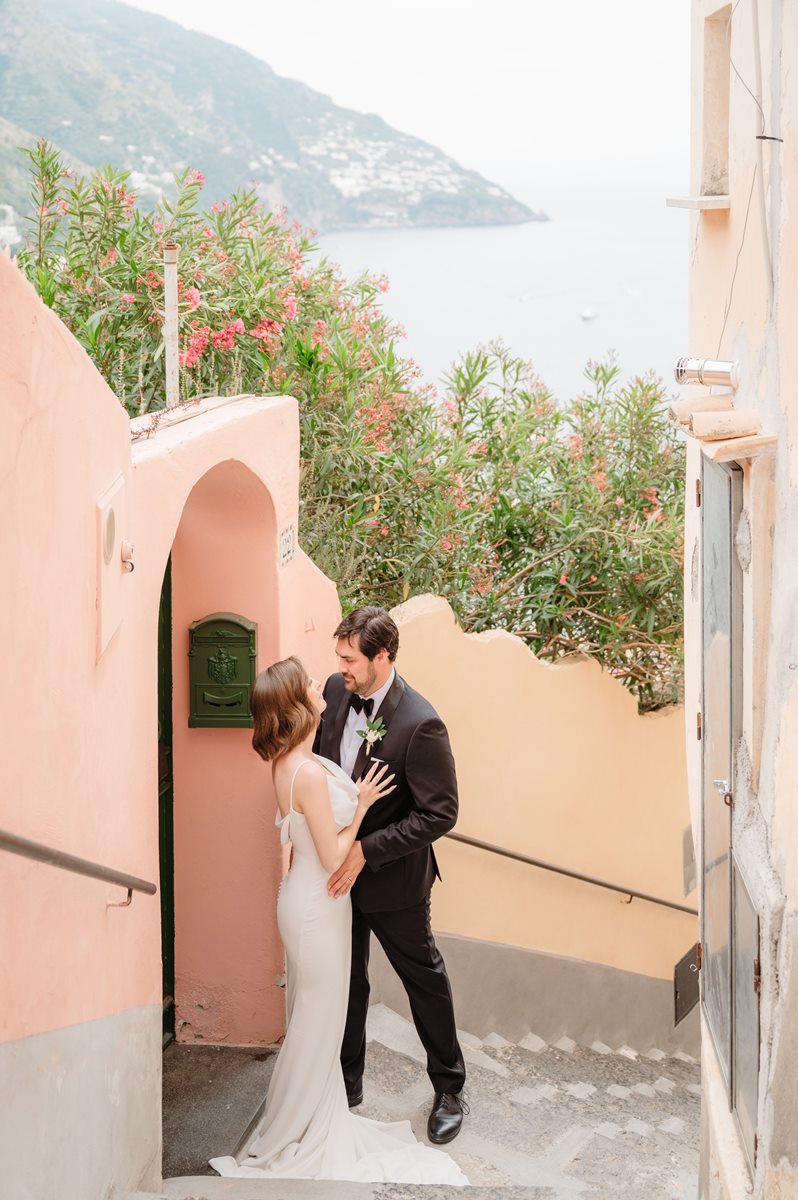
(397, 832)
(391, 896)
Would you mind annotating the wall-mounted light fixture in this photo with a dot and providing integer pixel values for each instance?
(707, 371)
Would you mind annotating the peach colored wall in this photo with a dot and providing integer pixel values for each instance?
(556, 763)
(69, 778)
(225, 558)
(227, 860)
(79, 734)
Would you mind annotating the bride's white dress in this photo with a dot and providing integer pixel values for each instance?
(307, 1130)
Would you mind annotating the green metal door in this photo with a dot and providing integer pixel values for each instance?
(165, 804)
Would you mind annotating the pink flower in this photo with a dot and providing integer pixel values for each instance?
(193, 298)
(219, 206)
(291, 308)
(111, 257)
(128, 298)
(446, 545)
(224, 339)
(563, 579)
(384, 531)
(318, 333)
(619, 501)
(266, 329)
(195, 177)
(197, 343)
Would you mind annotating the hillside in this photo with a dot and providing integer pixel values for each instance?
(108, 83)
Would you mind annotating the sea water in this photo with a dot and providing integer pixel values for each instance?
(606, 274)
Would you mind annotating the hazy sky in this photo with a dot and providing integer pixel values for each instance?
(526, 91)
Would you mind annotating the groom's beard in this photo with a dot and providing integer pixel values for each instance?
(363, 687)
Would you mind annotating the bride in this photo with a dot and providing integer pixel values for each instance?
(307, 1130)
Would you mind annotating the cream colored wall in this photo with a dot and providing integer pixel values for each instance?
(556, 763)
(737, 313)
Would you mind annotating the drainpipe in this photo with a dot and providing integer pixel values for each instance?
(170, 251)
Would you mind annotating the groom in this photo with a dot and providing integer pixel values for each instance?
(391, 868)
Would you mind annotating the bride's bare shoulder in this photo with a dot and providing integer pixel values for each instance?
(287, 771)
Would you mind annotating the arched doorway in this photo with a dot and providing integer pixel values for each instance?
(226, 969)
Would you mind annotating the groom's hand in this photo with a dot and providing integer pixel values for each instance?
(340, 884)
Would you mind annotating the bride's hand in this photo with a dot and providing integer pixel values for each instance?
(374, 785)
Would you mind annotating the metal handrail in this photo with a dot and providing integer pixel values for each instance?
(15, 844)
(632, 893)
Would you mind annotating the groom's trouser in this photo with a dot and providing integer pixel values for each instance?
(406, 937)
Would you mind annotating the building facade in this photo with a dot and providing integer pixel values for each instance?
(741, 586)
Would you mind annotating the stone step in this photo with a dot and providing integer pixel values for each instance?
(389, 1027)
(546, 1121)
(565, 1117)
(200, 1187)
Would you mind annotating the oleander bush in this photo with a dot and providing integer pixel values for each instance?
(561, 522)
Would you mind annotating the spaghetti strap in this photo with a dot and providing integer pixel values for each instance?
(297, 769)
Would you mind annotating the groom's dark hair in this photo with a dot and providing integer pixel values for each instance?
(375, 629)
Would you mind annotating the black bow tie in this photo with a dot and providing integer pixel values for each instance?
(360, 705)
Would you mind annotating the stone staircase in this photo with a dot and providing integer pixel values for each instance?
(558, 1121)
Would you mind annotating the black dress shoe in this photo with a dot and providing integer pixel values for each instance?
(354, 1098)
(448, 1110)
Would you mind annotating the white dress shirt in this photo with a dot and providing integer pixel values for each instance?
(350, 742)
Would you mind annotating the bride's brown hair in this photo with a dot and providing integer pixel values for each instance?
(281, 709)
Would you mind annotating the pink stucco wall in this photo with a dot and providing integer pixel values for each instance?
(80, 733)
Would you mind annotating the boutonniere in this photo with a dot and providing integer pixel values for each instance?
(374, 732)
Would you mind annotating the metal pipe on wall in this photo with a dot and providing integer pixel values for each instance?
(170, 323)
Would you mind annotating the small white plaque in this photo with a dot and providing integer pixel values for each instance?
(287, 545)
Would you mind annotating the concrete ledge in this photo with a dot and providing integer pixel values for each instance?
(510, 991)
(86, 1110)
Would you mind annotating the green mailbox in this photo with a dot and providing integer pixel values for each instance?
(221, 665)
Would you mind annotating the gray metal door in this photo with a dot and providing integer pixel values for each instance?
(721, 495)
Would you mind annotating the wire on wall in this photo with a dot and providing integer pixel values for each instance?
(758, 172)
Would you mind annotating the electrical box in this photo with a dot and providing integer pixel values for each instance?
(222, 658)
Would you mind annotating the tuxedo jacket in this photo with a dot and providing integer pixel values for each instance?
(397, 832)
